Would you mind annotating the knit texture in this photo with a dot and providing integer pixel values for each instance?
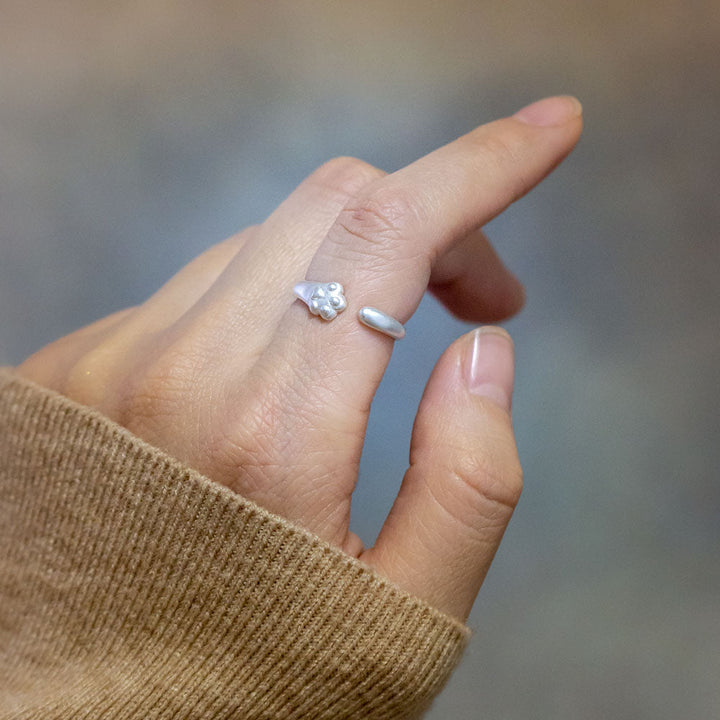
(133, 587)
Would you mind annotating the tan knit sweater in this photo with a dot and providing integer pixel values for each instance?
(133, 587)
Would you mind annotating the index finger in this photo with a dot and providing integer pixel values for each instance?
(403, 222)
(384, 242)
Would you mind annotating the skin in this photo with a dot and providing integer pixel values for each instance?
(250, 389)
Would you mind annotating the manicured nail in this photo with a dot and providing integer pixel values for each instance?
(550, 111)
(490, 368)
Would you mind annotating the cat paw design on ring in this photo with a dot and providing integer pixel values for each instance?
(323, 299)
(326, 299)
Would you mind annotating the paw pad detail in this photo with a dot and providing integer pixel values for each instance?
(323, 299)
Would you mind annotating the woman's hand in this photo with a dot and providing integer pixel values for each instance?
(224, 370)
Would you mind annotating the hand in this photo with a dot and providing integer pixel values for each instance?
(224, 370)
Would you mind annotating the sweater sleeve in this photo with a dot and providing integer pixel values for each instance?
(133, 587)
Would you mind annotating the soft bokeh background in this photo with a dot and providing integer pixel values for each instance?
(134, 134)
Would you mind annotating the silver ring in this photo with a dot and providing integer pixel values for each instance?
(326, 299)
(382, 322)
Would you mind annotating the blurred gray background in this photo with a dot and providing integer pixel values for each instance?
(135, 134)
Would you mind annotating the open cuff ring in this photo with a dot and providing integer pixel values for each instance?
(327, 300)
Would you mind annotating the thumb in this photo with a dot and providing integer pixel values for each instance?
(464, 478)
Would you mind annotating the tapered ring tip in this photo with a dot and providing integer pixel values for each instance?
(382, 322)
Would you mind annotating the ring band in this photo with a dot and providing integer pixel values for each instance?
(326, 299)
(382, 322)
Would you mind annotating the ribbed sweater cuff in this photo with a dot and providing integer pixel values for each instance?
(133, 587)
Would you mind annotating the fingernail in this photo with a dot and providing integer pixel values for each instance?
(550, 111)
(490, 369)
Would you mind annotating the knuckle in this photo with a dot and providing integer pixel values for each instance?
(505, 154)
(85, 380)
(345, 176)
(495, 481)
(234, 242)
(381, 218)
(502, 149)
(165, 387)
